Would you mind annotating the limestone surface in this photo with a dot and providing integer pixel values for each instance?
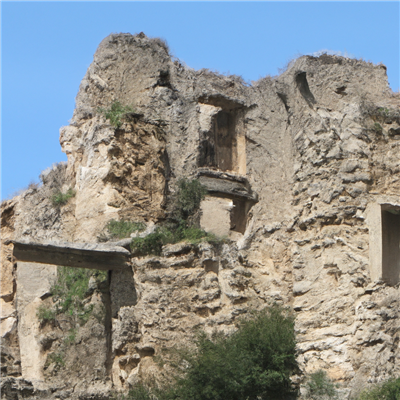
(302, 172)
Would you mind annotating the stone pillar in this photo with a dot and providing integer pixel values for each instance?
(33, 282)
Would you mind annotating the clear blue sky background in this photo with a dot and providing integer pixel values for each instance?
(46, 48)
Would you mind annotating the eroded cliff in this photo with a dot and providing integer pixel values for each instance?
(302, 177)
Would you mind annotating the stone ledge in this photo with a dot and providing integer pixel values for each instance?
(226, 184)
(80, 255)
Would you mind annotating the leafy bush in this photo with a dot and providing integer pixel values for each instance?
(254, 363)
(152, 243)
(320, 386)
(116, 114)
(60, 199)
(188, 199)
(123, 229)
(389, 390)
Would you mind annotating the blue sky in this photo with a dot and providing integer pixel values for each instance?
(46, 48)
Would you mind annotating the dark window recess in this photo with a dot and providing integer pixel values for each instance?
(391, 246)
(302, 84)
(218, 147)
(239, 216)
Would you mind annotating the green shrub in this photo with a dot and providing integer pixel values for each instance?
(320, 386)
(60, 199)
(116, 114)
(123, 229)
(188, 199)
(389, 390)
(255, 362)
(152, 243)
(70, 290)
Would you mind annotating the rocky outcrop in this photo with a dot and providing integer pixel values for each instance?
(302, 177)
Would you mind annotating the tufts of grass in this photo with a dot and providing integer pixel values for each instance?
(71, 288)
(116, 114)
(59, 198)
(71, 337)
(377, 127)
(123, 229)
(46, 314)
(56, 358)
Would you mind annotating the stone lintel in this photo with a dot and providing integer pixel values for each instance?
(226, 184)
(224, 102)
(80, 255)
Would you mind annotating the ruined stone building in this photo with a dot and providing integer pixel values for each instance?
(303, 178)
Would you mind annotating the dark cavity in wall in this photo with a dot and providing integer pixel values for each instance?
(218, 147)
(391, 246)
(239, 215)
(302, 85)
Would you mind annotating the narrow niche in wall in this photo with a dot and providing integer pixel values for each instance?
(222, 147)
(390, 217)
(239, 216)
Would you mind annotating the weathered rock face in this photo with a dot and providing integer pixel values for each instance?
(302, 173)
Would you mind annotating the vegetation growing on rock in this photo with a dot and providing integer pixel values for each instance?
(389, 390)
(253, 363)
(182, 223)
(69, 292)
(60, 199)
(116, 114)
(120, 229)
(320, 386)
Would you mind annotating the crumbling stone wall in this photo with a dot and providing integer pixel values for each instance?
(318, 150)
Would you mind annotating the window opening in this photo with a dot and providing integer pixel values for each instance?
(219, 146)
(390, 245)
